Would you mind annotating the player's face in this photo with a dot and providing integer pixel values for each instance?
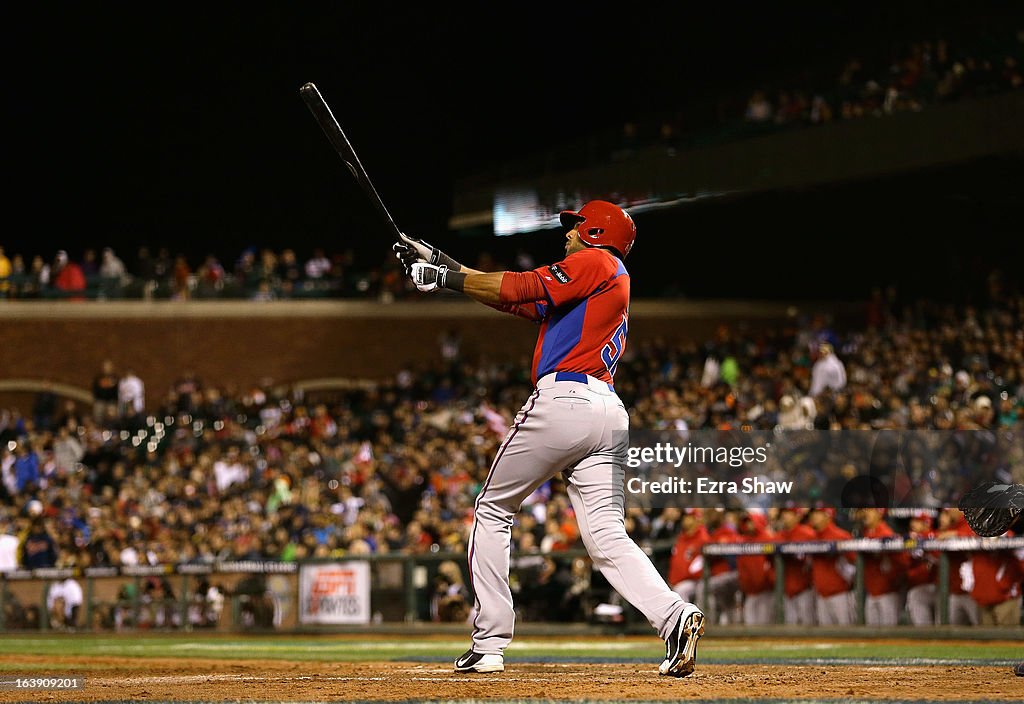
(573, 243)
(818, 520)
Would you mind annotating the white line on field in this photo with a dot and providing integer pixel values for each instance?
(433, 646)
(199, 679)
(407, 646)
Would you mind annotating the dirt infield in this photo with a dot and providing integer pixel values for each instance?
(110, 678)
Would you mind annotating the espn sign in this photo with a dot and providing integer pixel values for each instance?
(334, 593)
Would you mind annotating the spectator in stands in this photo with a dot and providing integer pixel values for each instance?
(884, 572)
(799, 599)
(759, 109)
(288, 269)
(318, 265)
(666, 524)
(8, 481)
(984, 416)
(1011, 75)
(230, 470)
(450, 601)
(26, 468)
(756, 572)
(210, 274)
(68, 276)
(131, 393)
(90, 267)
(112, 267)
(686, 566)
(796, 414)
(67, 450)
(64, 600)
(922, 573)
(264, 292)
(104, 392)
(266, 266)
(144, 266)
(828, 371)
(832, 573)
(181, 275)
(39, 278)
(38, 546)
(5, 273)
(18, 278)
(820, 112)
(44, 407)
(8, 544)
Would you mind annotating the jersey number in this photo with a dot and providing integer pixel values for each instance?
(613, 350)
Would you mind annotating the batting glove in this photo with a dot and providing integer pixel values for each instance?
(427, 252)
(407, 255)
(428, 277)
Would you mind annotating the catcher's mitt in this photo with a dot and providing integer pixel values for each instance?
(992, 508)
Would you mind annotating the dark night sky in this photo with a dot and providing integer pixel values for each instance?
(183, 125)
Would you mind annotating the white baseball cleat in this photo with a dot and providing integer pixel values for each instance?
(471, 661)
(681, 645)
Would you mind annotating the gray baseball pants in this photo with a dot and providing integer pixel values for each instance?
(581, 429)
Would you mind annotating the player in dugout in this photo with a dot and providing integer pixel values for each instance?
(991, 509)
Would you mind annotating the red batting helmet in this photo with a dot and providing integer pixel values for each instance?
(602, 224)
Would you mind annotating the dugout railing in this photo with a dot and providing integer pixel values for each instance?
(400, 588)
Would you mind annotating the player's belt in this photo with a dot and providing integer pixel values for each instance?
(578, 377)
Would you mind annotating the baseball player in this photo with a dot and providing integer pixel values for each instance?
(962, 609)
(884, 573)
(573, 422)
(799, 602)
(831, 574)
(922, 573)
(756, 573)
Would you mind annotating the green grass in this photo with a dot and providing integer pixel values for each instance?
(333, 648)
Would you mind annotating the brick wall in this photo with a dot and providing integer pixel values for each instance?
(242, 343)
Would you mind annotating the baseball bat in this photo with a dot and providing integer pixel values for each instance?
(336, 136)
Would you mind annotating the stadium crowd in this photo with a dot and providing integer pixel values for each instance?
(205, 474)
(910, 77)
(919, 74)
(256, 275)
(259, 275)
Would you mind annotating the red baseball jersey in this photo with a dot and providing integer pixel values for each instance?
(756, 572)
(884, 572)
(923, 566)
(687, 561)
(797, 567)
(824, 574)
(957, 558)
(998, 576)
(724, 533)
(585, 319)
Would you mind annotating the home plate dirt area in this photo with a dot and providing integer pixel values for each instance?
(114, 679)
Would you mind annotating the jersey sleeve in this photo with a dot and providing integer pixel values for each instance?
(535, 312)
(577, 276)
